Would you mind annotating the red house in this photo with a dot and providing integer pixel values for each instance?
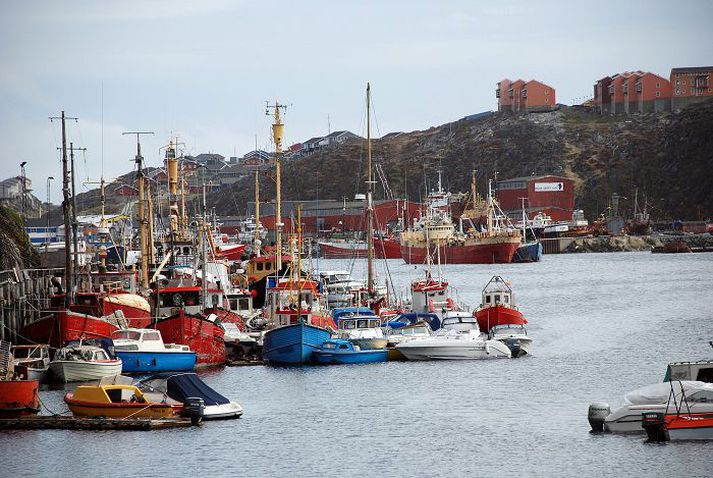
(552, 195)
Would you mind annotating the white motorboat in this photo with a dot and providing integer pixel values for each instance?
(82, 363)
(31, 361)
(691, 396)
(362, 330)
(458, 339)
(514, 336)
(418, 330)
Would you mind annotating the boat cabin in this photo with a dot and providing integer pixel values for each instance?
(171, 300)
(30, 353)
(497, 292)
(109, 394)
(460, 323)
(701, 371)
(290, 301)
(430, 295)
(340, 346)
(359, 322)
(240, 302)
(263, 266)
(138, 340)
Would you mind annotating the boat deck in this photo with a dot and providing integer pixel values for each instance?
(73, 423)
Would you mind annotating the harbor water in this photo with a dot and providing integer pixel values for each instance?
(602, 324)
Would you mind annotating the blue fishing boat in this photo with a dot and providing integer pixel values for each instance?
(143, 350)
(341, 351)
(529, 252)
(298, 327)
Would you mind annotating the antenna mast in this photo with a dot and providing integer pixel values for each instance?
(278, 136)
(370, 190)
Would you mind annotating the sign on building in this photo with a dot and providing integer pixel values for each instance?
(549, 187)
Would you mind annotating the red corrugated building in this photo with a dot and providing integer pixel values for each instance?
(602, 97)
(552, 195)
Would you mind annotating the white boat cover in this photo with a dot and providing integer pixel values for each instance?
(659, 392)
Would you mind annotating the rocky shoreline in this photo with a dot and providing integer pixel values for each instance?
(635, 243)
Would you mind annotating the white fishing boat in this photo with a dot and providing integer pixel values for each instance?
(82, 363)
(514, 336)
(362, 329)
(458, 339)
(31, 361)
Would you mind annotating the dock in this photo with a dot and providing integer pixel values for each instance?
(55, 422)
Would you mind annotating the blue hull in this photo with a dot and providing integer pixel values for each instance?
(530, 252)
(140, 362)
(362, 356)
(293, 344)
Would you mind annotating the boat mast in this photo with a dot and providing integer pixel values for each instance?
(143, 215)
(370, 187)
(75, 234)
(491, 209)
(68, 276)
(204, 253)
(256, 239)
(278, 134)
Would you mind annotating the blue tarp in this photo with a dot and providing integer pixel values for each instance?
(402, 320)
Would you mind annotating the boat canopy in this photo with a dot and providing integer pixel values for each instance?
(659, 392)
(180, 386)
(345, 312)
(402, 320)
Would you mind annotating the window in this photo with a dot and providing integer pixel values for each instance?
(693, 91)
(258, 266)
(658, 85)
(678, 92)
(684, 83)
(658, 93)
(678, 82)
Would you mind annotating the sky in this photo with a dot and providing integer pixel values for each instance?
(202, 70)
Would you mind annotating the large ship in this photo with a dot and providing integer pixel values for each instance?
(469, 243)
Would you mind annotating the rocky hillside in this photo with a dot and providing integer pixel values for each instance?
(667, 156)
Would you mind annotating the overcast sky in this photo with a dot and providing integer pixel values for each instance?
(202, 69)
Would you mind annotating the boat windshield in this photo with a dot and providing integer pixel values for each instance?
(27, 352)
(126, 334)
(329, 345)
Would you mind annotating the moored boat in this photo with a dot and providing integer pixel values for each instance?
(62, 325)
(341, 351)
(498, 306)
(202, 334)
(340, 250)
(143, 350)
(117, 401)
(387, 247)
(360, 326)
(82, 363)
(31, 361)
(17, 397)
(514, 336)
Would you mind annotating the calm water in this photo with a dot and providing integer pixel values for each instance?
(603, 324)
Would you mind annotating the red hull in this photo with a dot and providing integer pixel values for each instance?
(18, 398)
(231, 253)
(204, 337)
(330, 251)
(501, 253)
(228, 316)
(137, 317)
(388, 248)
(498, 315)
(64, 326)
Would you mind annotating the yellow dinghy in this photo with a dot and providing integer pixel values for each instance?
(117, 401)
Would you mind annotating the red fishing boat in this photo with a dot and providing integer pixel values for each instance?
(202, 334)
(230, 252)
(498, 307)
(387, 248)
(62, 325)
(339, 250)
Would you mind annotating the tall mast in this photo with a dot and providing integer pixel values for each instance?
(278, 135)
(143, 213)
(473, 191)
(204, 253)
(68, 276)
(370, 185)
(172, 170)
(75, 240)
(256, 239)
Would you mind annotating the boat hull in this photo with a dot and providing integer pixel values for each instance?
(467, 350)
(140, 362)
(485, 253)
(387, 248)
(352, 357)
(64, 326)
(489, 317)
(293, 344)
(83, 371)
(530, 252)
(204, 337)
(19, 398)
(333, 251)
(370, 343)
(135, 308)
(80, 408)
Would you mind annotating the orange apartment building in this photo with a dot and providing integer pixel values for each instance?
(690, 85)
(522, 95)
(652, 92)
(632, 92)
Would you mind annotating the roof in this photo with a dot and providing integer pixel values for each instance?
(538, 82)
(693, 69)
(316, 139)
(530, 178)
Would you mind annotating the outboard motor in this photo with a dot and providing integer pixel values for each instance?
(194, 408)
(653, 423)
(514, 346)
(598, 411)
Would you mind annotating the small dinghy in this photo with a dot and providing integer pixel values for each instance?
(341, 351)
(82, 363)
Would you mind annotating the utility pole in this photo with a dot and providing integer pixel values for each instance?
(23, 189)
(143, 213)
(68, 277)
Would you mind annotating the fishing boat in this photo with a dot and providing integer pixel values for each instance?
(431, 295)
(387, 247)
(185, 387)
(143, 351)
(82, 363)
(531, 248)
(31, 361)
(341, 250)
(341, 351)
(202, 334)
(63, 325)
(297, 323)
(117, 401)
(498, 306)
(435, 234)
(361, 326)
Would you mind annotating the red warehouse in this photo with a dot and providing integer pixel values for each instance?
(552, 195)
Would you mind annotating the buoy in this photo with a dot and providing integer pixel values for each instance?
(598, 411)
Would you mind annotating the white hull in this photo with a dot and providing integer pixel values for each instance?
(370, 344)
(83, 371)
(228, 410)
(629, 420)
(429, 349)
(702, 433)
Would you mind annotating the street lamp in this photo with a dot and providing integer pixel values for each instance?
(49, 211)
(24, 187)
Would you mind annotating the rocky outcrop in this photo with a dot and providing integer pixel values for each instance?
(15, 247)
(636, 243)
